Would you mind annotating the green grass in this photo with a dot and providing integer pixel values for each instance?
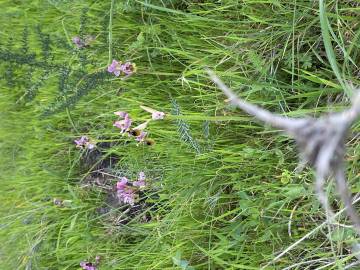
(225, 195)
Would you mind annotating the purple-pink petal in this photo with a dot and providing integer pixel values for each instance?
(124, 125)
(127, 123)
(139, 183)
(129, 197)
(127, 68)
(120, 185)
(117, 68)
(121, 114)
(112, 67)
(82, 141)
(126, 196)
(77, 41)
(118, 124)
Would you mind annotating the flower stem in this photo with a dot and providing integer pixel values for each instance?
(110, 30)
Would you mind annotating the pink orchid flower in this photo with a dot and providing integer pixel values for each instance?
(124, 125)
(126, 195)
(84, 142)
(128, 68)
(117, 68)
(122, 183)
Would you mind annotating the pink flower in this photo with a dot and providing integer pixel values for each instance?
(84, 142)
(128, 68)
(124, 125)
(122, 183)
(78, 43)
(141, 137)
(139, 184)
(158, 115)
(126, 195)
(115, 67)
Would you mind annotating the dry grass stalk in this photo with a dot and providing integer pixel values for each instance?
(321, 144)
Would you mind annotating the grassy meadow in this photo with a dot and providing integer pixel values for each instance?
(222, 192)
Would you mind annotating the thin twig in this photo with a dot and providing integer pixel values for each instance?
(259, 113)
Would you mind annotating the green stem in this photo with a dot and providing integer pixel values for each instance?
(71, 121)
(110, 30)
(325, 31)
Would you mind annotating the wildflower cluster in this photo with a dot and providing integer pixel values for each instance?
(84, 143)
(118, 68)
(127, 192)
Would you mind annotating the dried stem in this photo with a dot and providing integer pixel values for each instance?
(343, 190)
(321, 144)
(259, 113)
